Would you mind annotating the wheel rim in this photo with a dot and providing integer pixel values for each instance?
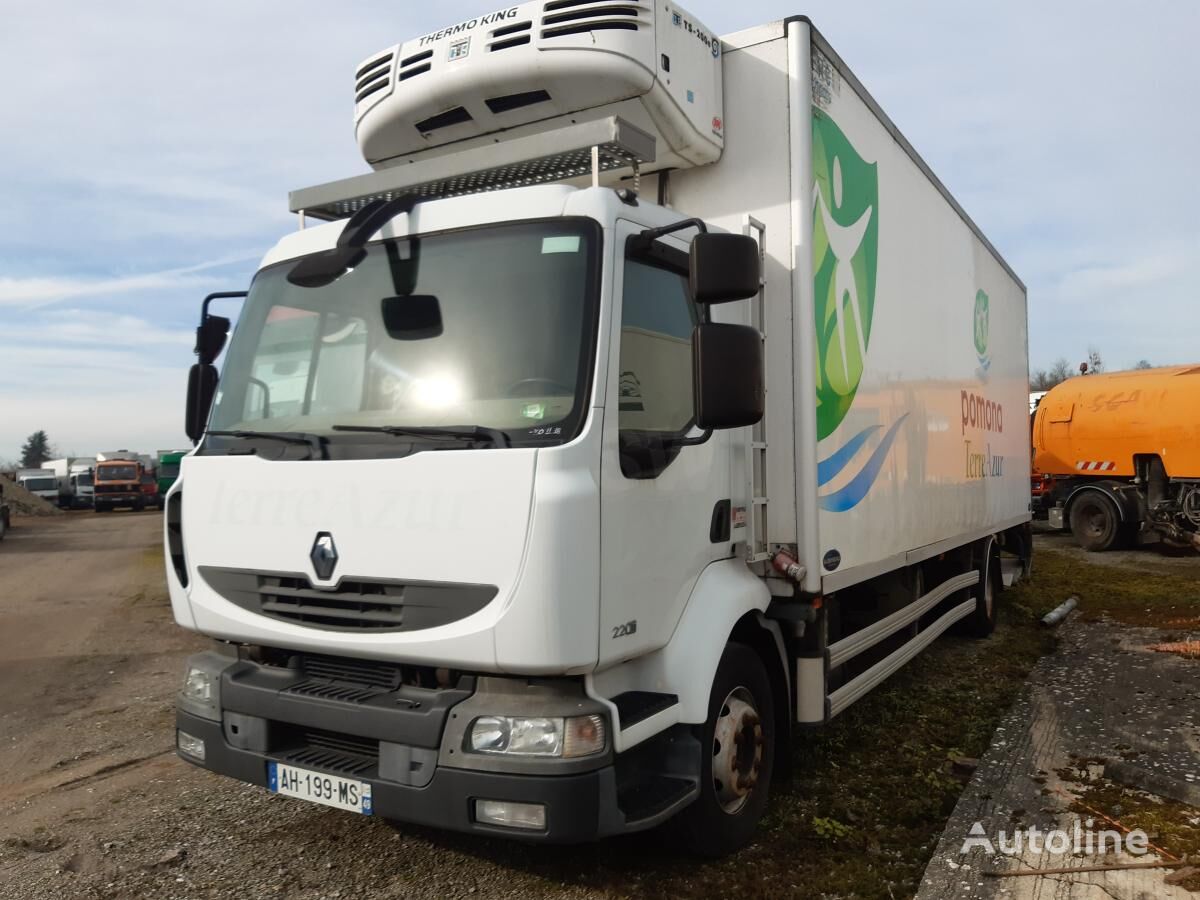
(1097, 522)
(737, 750)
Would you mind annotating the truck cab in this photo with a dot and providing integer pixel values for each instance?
(118, 484)
(39, 482)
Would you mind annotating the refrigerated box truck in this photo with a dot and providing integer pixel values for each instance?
(75, 484)
(648, 400)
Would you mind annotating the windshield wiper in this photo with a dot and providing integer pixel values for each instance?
(316, 441)
(462, 432)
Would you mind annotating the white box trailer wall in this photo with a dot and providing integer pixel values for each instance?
(896, 335)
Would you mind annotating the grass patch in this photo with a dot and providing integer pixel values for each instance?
(1175, 827)
(1128, 594)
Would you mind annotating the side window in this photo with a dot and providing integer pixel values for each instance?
(279, 378)
(657, 318)
(306, 364)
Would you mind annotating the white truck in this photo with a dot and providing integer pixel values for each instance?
(40, 482)
(75, 483)
(649, 400)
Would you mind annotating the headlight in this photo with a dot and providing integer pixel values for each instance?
(538, 736)
(200, 693)
(197, 685)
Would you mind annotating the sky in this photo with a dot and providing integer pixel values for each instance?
(148, 149)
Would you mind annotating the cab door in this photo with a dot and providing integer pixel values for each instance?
(658, 496)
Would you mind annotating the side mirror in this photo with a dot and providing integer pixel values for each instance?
(727, 375)
(211, 337)
(202, 387)
(723, 267)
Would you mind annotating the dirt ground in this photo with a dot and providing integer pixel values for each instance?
(94, 803)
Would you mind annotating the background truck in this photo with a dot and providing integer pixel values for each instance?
(650, 398)
(74, 477)
(1121, 452)
(5, 519)
(118, 484)
(39, 482)
(168, 470)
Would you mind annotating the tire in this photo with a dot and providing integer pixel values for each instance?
(737, 745)
(1095, 522)
(982, 622)
(3, 526)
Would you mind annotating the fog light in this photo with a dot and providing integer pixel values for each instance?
(197, 685)
(507, 814)
(190, 744)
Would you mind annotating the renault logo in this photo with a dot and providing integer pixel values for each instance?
(324, 556)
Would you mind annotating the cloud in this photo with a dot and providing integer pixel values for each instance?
(139, 152)
(92, 379)
(41, 291)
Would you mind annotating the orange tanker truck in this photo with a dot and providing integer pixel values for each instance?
(1123, 450)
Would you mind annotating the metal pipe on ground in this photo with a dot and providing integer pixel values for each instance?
(1060, 612)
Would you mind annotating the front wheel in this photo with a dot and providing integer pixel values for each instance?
(738, 747)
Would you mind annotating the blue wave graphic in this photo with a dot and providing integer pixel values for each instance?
(828, 468)
(851, 495)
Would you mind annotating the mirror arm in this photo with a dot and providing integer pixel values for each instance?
(220, 295)
(691, 441)
(204, 318)
(641, 241)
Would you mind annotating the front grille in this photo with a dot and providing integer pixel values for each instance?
(455, 116)
(509, 102)
(366, 672)
(510, 36)
(353, 605)
(565, 17)
(330, 751)
(373, 77)
(417, 64)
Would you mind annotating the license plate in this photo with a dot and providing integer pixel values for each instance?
(318, 787)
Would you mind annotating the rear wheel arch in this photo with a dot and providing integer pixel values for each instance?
(1101, 497)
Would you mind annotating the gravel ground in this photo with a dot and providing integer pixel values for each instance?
(94, 803)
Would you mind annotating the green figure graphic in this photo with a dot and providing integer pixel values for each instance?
(845, 254)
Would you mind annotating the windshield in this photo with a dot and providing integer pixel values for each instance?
(40, 484)
(83, 480)
(116, 473)
(486, 327)
(168, 470)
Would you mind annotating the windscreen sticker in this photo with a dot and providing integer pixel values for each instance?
(568, 243)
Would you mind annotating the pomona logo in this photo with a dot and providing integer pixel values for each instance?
(981, 331)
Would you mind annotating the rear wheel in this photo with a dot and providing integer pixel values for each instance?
(3, 526)
(982, 622)
(1095, 522)
(738, 747)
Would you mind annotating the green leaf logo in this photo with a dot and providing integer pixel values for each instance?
(981, 324)
(845, 254)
